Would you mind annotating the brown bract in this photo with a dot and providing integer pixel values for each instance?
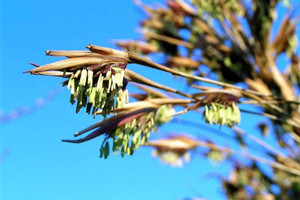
(108, 53)
(96, 59)
(68, 63)
(71, 54)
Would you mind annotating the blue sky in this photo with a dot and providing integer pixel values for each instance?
(37, 164)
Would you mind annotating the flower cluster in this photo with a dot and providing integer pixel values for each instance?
(220, 105)
(98, 92)
(128, 137)
(216, 113)
(95, 77)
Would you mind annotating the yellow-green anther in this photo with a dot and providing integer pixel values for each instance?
(133, 123)
(92, 96)
(90, 78)
(103, 98)
(144, 138)
(99, 82)
(127, 132)
(72, 99)
(102, 94)
(97, 98)
(88, 108)
(115, 144)
(109, 85)
(120, 80)
(106, 150)
(213, 107)
(206, 111)
(101, 152)
(77, 91)
(80, 95)
(77, 73)
(113, 82)
(224, 119)
(84, 100)
(122, 77)
(70, 83)
(126, 96)
(78, 106)
(117, 79)
(117, 69)
(217, 113)
(125, 145)
(136, 135)
(210, 116)
(83, 77)
(237, 113)
(152, 121)
(120, 99)
(108, 74)
(231, 113)
(73, 87)
(128, 149)
(123, 151)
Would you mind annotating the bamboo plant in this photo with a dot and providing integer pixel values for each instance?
(229, 53)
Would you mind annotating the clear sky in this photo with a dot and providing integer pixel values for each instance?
(35, 164)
